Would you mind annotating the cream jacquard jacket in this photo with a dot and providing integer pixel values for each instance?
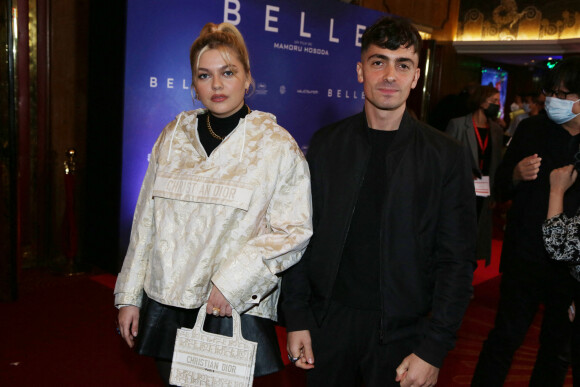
(236, 219)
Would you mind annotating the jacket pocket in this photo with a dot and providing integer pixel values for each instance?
(193, 188)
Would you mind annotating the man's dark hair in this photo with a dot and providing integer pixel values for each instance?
(567, 73)
(391, 33)
(535, 97)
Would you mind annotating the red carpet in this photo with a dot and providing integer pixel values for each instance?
(477, 322)
(61, 332)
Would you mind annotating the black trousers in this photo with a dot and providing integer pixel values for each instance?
(347, 351)
(576, 338)
(520, 296)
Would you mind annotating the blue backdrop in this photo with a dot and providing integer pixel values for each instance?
(303, 57)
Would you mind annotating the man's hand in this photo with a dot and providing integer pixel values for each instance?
(128, 321)
(217, 300)
(414, 371)
(527, 169)
(299, 346)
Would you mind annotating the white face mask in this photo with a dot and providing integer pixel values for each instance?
(560, 110)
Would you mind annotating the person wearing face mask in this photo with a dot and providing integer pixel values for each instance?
(517, 107)
(480, 133)
(541, 144)
(224, 208)
(534, 105)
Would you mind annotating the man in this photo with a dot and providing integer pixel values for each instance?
(386, 279)
(541, 143)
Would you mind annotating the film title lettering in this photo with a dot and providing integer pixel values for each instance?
(232, 14)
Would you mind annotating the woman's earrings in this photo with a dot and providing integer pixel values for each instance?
(195, 98)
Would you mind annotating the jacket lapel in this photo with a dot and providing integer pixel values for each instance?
(471, 140)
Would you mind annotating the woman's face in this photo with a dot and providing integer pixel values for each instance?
(491, 99)
(221, 86)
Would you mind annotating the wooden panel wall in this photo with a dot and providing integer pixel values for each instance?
(68, 106)
(438, 15)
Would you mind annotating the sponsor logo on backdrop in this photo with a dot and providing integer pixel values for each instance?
(261, 89)
(306, 91)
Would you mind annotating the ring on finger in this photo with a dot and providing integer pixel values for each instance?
(292, 358)
(215, 311)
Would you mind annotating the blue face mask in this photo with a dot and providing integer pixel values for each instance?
(560, 110)
(526, 107)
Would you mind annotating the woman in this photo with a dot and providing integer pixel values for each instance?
(480, 133)
(562, 240)
(225, 207)
(561, 230)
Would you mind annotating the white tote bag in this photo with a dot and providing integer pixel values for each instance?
(201, 358)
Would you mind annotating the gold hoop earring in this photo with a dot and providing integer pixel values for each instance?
(247, 91)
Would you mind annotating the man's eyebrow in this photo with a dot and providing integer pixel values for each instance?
(384, 57)
(378, 56)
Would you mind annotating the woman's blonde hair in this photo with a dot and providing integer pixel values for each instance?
(220, 36)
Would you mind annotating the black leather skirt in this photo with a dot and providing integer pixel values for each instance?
(158, 324)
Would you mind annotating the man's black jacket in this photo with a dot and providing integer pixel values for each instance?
(428, 231)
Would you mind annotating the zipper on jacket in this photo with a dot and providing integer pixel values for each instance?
(381, 239)
(381, 311)
(360, 183)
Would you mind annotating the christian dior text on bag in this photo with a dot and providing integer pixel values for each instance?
(207, 359)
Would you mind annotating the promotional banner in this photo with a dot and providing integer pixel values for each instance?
(303, 57)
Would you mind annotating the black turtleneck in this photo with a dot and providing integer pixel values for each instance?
(221, 126)
(357, 283)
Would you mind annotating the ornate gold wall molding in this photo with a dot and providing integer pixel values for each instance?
(518, 47)
(507, 20)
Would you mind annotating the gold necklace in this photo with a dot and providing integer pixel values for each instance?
(213, 134)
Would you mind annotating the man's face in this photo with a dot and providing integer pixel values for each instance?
(537, 105)
(388, 76)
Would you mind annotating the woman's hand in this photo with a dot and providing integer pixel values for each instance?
(218, 302)
(562, 178)
(128, 321)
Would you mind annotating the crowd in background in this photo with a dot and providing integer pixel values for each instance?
(529, 166)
